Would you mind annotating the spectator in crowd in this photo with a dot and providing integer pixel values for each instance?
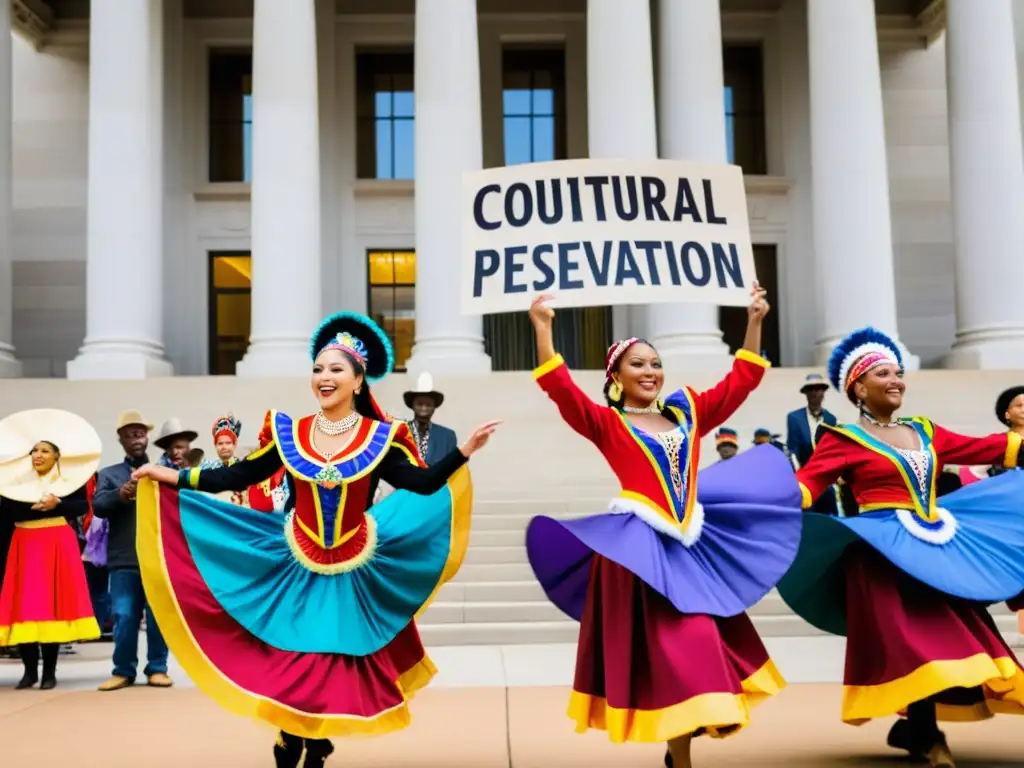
(176, 442)
(433, 441)
(727, 443)
(115, 501)
(802, 431)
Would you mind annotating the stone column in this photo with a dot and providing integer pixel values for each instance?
(852, 225)
(285, 208)
(621, 120)
(9, 366)
(987, 175)
(691, 126)
(124, 221)
(448, 143)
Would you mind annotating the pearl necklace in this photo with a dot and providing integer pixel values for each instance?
(872, 420)
(335, 428)
(653, 408)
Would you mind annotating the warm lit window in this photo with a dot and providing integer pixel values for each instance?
(230, 298)
(385, 116)
(744, 107)
(533, 105)
(392, 300)
(230, 116)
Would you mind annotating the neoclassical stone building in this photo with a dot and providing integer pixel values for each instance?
(193, 183)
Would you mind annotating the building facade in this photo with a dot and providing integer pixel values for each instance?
(194, 183)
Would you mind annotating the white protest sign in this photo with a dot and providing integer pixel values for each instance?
(598, 232)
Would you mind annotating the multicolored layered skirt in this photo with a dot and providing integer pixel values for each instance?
(315, 653)
(665, 646)
(45, 597)
(913, 609)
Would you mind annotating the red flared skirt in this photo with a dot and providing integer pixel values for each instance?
(645, 672)
(907, 642)
(45, 597)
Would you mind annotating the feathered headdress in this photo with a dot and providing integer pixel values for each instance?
(857, 354)
(359, 336)
(227, 425)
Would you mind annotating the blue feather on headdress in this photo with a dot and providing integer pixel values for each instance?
(362, 335)
(853, 347)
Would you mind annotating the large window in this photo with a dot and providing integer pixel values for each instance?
(230, 114)
(733, 320)
(230, 298)
(392, 300)
(744, 107)
(533, 105)
(385, 115)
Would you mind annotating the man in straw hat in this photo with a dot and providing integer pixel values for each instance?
(176, 442)
(433, 440)
(802, 430)
(115, 501)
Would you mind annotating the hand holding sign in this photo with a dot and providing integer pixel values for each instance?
(541, 315)
(759, 306)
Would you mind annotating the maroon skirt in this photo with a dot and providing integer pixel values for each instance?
(907, 642)
(645, 672)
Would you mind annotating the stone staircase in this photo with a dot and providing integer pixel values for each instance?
(534, 465)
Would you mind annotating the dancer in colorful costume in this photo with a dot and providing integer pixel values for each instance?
(48, 456)
(226, 431)
(270, 495)
(306, 620)
(661, 581)
(906, 579)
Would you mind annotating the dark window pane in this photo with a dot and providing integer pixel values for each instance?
(229, 80)
(744, 107)
(533, 100)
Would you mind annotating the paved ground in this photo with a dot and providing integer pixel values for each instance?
(490, 708)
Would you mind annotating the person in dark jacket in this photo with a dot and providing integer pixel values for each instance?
(432, 440)
(802, 428)
(115, 501)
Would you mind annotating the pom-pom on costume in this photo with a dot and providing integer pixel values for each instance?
(305, 619)
(661, 581)
(906, 579)
(45, 598)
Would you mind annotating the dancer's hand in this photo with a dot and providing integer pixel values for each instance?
(759, 306)
(541, 315)
(163, 475)
(48, 503)
(479, 438)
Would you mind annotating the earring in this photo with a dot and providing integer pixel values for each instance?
(615, 392)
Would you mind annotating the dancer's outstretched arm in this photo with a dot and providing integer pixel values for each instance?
(399, 472)
(254, 469)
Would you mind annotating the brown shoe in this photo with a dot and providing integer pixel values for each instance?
(159, 680)
(116, 683)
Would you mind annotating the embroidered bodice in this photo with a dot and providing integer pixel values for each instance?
(673, 444)
(920, 463)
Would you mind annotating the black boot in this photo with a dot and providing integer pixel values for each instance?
(50, 652)
(287, 750)
(29, 653)
(317, 752)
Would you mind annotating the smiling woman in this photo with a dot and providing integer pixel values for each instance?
(345, 577)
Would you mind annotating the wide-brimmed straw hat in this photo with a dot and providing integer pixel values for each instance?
(171, 429)
(424, 388)
(79, 445)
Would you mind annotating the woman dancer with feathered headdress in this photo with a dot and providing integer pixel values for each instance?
(309, 625)
(906, 580)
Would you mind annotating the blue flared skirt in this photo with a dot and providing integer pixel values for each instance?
(975, 553)
(750, 535)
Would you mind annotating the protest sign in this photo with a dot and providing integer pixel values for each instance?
(598, 232)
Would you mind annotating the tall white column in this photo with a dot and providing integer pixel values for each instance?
(987, 175)
(285, 209)
(9, 366)
(124, 221)
(621, 120)
(691, 126)
(448, 142)
(852, 225)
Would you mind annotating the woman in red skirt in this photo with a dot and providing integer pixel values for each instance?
(45, 599)
(908, 578)
(660, 582)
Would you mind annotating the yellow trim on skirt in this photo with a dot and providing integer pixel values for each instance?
(710, 711)
(50, 631)
(1001, 678)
